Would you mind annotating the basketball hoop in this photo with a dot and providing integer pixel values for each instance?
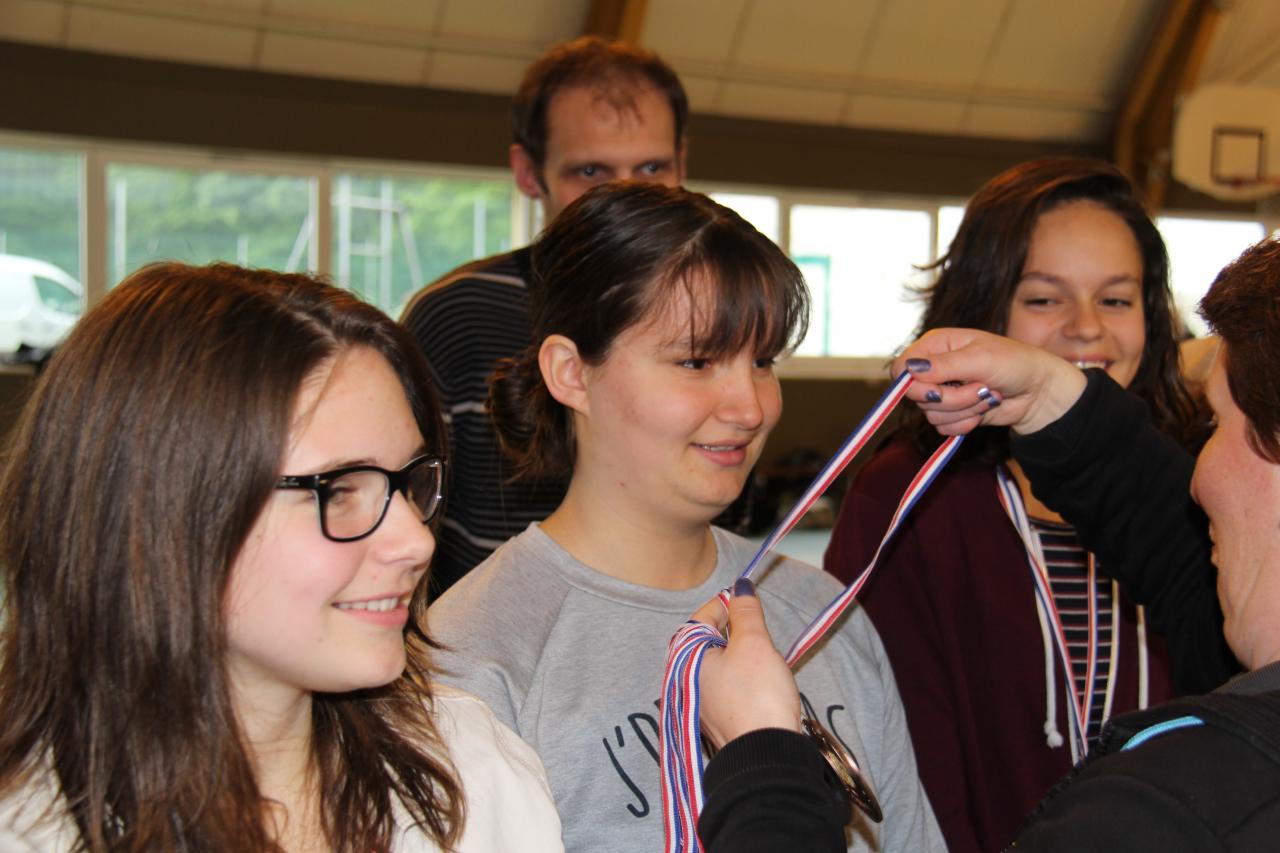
(1226, 142)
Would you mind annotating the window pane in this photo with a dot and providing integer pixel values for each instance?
(1198, 250)
(39, 238)
(859, 263)
(949, 217)
(760, 210)
(57, 296)
(392, 235)
(197, 216)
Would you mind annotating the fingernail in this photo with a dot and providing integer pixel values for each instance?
(932, 397)
(744, 586)
(984, 394)
(919, 365)
(993, 400)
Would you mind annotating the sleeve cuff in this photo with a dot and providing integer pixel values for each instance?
(760, 749)
(1079, 424)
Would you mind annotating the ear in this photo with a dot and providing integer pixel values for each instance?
(562, 371)
(526, 171)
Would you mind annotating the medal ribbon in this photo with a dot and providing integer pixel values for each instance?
(1079, 702)
(680, 744)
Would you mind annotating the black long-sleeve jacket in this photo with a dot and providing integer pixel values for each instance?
(1125, 487)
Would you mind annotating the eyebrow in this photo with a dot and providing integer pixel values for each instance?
(352, 462)
(1123, 278)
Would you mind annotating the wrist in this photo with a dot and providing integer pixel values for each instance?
(1059, 389)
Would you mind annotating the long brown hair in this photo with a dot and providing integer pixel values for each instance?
(980, 272)
(149, 447)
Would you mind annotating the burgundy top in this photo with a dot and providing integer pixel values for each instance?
(953, 602)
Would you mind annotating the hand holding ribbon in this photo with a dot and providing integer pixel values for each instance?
(965, 378)
(745, 685)
(680, 747)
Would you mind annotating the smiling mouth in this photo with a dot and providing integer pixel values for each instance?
(721, 448)
(377, 605)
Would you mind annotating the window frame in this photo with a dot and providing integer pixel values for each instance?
(829, 366)
(97, 154)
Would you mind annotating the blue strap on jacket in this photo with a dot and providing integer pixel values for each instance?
(1160, 729)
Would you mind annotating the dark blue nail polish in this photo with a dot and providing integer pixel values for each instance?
(919, 365)
(932, 397)
(744, 586)
(993, 400)
(984, 394)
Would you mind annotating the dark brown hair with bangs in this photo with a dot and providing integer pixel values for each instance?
(1243, 307)
(619, 256)
(146, 452)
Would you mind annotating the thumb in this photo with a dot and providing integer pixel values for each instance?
(712, 613)
(746, 616)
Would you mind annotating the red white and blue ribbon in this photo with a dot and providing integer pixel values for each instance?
(1079, 703)
(681, 753)
(680, 741)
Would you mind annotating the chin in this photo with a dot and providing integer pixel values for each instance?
(1123, 374)
(371, 677)
(715, 511)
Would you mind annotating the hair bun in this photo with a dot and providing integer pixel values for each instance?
(527, 421)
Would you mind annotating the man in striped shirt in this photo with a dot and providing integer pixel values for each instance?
(586, 112)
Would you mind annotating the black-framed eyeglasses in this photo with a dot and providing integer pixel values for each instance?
(353, 501)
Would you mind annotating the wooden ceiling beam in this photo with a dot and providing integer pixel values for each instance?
(616, 20)
(1170, 67)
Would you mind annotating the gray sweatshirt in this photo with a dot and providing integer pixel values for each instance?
(573, 659)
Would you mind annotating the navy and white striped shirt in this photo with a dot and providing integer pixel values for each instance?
(465, 322)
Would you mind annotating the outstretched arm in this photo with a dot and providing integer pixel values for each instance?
(1093, 455)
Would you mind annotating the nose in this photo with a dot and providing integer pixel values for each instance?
(740, 402)
(1085, 321)
(402, 536)
(1198, 475)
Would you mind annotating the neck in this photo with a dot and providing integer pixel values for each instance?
(659, 552)
(276, 727)
(1035, 508)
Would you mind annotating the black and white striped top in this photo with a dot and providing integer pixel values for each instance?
(1067, 564)
(465, 322)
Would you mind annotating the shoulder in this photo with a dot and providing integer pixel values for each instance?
(518, 580)
(1175, 787)
(896, 460)
(794, 590)
(888, 473)
(508, 271)
(962, 501)
(33, 818)
(499, 617)
(780, 576)
(478, 742)
(507, 795)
